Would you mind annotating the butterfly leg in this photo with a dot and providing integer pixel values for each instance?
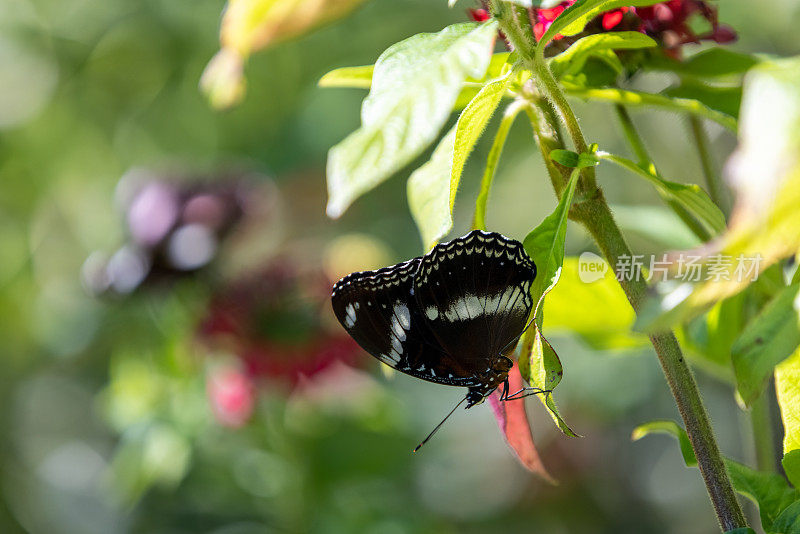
(504, 394)
(527, 392)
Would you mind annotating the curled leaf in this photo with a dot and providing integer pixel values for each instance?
(513, 422)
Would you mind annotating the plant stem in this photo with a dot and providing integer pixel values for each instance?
(633, 137)
(763, 439)
(715, 189)
(593, 212)
(479, 220)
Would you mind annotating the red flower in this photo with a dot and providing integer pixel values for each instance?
(479, 15)
(667, 22)
(273, 321)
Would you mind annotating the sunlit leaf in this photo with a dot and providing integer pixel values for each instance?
(545, 243)
(513, 422)
(724, 99)
(791, 466)
(429, 193)
(577, 16)
(540, 365)
(589, 301)
(765, 172)
(572, 60)
(361, 78)
(414, 86)
(768, 339)
(787, 387)
(250, 25)
(470, 126)
(355, 77)
(651, 100)
(479, 220)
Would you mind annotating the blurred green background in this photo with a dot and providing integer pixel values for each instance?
(120, 412)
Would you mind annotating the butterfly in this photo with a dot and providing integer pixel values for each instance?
(452, 316)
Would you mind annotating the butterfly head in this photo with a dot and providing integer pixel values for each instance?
(494, 376)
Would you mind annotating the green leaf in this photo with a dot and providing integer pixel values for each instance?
(768, 339)
(572, 60)
(545, 372)
(690, 197)
(724, 99)
(479, 220)
(769, 491)
(545, 244)
(361, 78)
(670, 428)
(791, 465)
(356, 77)
(577, 16)
(540, 365)
(639, 99)
(428, 191)
(470, 126)
(787, 387)
(571, 159)
(788, 522)
(710, 63)
(414, 87)
(604, 317)
(741, 530)
(765, 172)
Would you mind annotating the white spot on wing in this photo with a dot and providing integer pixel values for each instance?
(431, 312)
(350, 318)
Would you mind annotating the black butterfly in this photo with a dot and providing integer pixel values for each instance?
(451, 316)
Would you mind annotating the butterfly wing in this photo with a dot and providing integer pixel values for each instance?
(378, 309)
(474, 292)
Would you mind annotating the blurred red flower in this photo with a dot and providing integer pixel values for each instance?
(274, 321)
(232, 396)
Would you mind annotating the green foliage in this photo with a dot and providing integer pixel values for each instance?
(355, 77)
(429, 192)
(573, 160)
(577, 16)
(479, 220)
(787, 387)
(724, 99)
(639, 99)
(710, 63)
(768, 339)
(670, 428)
(766, 222)
(572, 60)
(539, 363)
(594, 308)
(470, 126)
(778, 503)
(414, 87)
(689, 197)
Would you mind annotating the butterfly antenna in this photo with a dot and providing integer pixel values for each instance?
(424, 441)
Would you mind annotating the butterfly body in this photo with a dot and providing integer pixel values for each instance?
(449, 317)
